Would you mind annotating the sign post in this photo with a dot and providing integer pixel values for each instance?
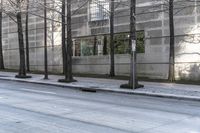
(133, 64)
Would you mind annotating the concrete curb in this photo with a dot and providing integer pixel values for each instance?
(123, 91)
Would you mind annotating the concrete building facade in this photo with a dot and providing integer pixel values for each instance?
(90, 25)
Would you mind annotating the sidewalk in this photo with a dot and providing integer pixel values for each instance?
(168, 90)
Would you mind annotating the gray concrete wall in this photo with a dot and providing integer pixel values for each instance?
(150, 18)
(101, 65)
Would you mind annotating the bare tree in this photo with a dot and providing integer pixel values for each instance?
(63, 35)
(66, 48)
(105, 45)
(68, 65)
(171, 51)
(112, 50)
(27, 37)
(15, 11)
(45, 42)
(22, 69)
(68, 74)
(95, 46)
(168, 6)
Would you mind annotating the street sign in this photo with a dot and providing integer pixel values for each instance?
(133, 45)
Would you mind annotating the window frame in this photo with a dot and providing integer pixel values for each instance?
(103, 13)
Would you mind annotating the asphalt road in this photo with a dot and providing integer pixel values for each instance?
(32, 108)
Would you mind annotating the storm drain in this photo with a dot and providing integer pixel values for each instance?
(91, 89)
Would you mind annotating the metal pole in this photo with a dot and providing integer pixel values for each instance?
(132, 42)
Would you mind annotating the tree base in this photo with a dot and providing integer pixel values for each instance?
(66, 81)
(128, 86)
(46, 78)
(111, 76)
(23, 76)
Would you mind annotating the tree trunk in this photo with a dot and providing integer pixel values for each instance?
(133, 83)
(52, 35)
(95, 46)
(1, 45)
(68, 75)
(45, 42)
(63, 37)
(171, 51)
(112, 52)
(27, 39)
(105, 52)
(22, 69)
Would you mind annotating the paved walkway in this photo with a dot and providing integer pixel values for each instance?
(169, 90)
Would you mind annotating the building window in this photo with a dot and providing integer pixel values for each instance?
(84, 46)
(99, 45)
(122, 43)
(99, 10)
(140, 47)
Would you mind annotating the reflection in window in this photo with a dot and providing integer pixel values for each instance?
(121, 43)
(99, 10)
(84, 46)
(99, 45)
(89, 46)
(140, 48)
